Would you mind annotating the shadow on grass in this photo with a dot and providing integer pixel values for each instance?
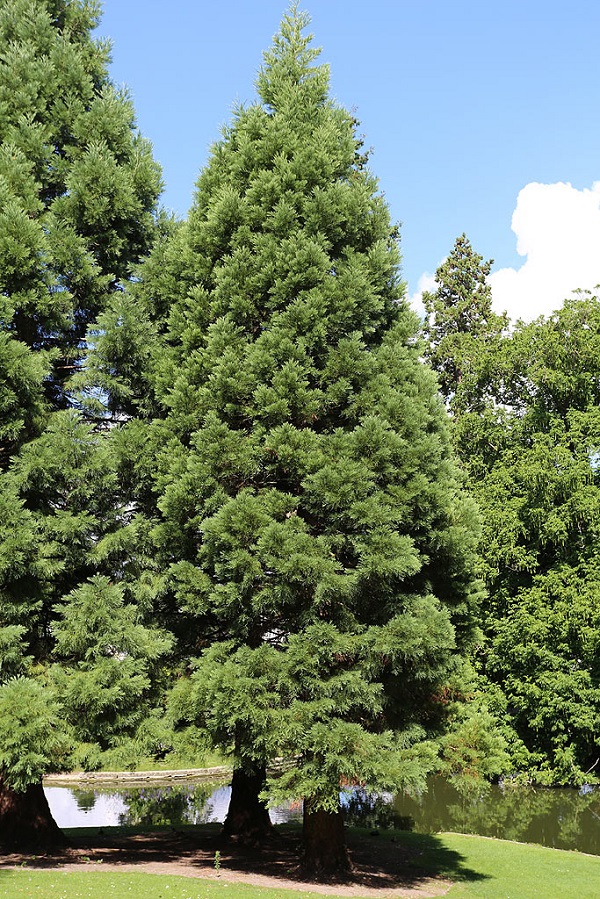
(427, 855)
(392, 859)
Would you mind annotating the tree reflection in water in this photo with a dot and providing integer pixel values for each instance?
(85, 799)
(168, 805)
(558, 817)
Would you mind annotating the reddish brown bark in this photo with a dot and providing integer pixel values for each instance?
(26, 821)
(247, 816)
(325, 855)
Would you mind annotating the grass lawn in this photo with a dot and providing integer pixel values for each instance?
(519, 871)
(208, 759)
(26, 884)
(480, 868)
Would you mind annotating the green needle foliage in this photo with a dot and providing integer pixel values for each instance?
(33, 740)
(78, 194)
(65, 519)
(105, 681)
(78, 190)
(461, 329)
(311, 509)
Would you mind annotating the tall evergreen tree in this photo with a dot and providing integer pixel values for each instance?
(461, 329)
(78, 194)
(78, 189)
(311, 511)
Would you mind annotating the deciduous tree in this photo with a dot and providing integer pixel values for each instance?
(524, 410)
(540, 503)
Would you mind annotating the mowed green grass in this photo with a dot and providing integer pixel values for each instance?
(521, 871)
(93, 884)
(480, 869)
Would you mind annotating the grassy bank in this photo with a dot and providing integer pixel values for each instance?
(495, 869)
(479, 868)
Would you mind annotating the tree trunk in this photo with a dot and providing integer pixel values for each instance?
(247, 816)
(325, 856)
(26, 821)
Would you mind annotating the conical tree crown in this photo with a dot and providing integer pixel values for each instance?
(461, 329)
(309, 464)
(288, 249)
(288, 79)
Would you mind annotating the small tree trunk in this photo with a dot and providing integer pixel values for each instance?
(325, 855)
(247, 816)
(26, 821)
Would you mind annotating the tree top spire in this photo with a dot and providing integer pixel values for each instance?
(287, 68)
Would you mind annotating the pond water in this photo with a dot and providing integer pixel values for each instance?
(192, 803)
(558, 817)
(562, 818)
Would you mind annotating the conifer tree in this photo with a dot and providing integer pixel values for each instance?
(78, 193)
(107, 656)
(65, 518)
(78, 189)
(58, 490)
(461, 329)
(311, 511)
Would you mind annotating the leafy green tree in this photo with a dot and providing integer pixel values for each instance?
(311, 511)
(78, 193)
(527, 433)
(540, 503)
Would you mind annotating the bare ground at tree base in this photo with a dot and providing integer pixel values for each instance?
(382, 868)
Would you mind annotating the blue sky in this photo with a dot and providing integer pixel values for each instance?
(469, 106)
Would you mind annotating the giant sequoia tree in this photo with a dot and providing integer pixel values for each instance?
(311, 512)
(78, 187)
(78, 190)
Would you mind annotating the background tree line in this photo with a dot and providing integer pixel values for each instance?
(235, 509)
(524, 404)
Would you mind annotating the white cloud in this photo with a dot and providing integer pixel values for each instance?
(425, 283)
(558, 231)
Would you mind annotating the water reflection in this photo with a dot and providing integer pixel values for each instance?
(68, 809)
(85, 799)
(563, 818)
(167, 804)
